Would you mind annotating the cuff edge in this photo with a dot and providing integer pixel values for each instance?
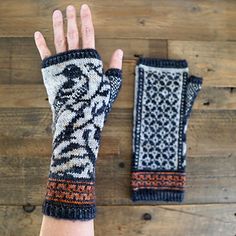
(69, 212)
(158, 195)
(195, 79)
(68, 55)
(163, 63)
(114, 72)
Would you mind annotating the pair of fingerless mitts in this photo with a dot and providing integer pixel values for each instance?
(81, 96)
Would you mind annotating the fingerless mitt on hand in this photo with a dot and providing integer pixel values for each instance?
(164, 96)
(81, 96)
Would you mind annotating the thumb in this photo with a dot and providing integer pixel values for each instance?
(114, 74)
(194, 85)
(116, 59)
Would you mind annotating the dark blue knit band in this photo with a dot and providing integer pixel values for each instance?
(114, 72)
(68, 211)
(69, 55)
(157, 195)
(163, 63)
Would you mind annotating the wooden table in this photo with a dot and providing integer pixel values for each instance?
(204, 33)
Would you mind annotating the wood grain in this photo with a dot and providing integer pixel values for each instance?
(165, 220)
(25, 144)
(210, 132)
(214, 61)
(34, 96)
(209, 180)
(169, 19)
(204, 33)
(20, 62)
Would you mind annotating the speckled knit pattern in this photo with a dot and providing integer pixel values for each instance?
(164, 96)
(81, 96)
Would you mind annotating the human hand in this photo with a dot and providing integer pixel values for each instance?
(71, 41)
(81, 96)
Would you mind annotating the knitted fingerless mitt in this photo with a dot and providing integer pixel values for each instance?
(81, 96)
(164, 96)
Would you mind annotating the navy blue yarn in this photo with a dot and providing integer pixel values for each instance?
(181, 158)
(157, 195)
(71, 54)
(114, 72)
(68, 211)
(71, 71)
(138, 111)
(196, 80)
(163, 63)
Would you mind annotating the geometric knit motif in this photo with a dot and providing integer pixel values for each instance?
(81, 96)
(159, 130)
(164, 95)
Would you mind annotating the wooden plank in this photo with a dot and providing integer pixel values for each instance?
(21, 174)
(20, 62)
(12, 8)
(169, 19)
(163, 220)
(209, 180)
(214, 61)
(133, 48)
(213, 98)
(210, 132)
(34, 95)
(21, 48)
(25, 145)
(41, 147)
(191, 220)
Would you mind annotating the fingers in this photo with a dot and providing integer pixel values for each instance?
(116, 59)
(41, 45)
(72, 40)
(59, 37)
(87, 28)
(72, 28)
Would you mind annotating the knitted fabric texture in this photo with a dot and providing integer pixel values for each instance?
(164, 96)
(81, 96)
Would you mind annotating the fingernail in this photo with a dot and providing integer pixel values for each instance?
(70, 8)
(57, 13)
(36, 34)
(120, 53)
(84, 7)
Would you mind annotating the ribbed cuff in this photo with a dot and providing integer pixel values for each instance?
(114, 72)
(69, 55)
(163, 63)
(157, 195)
(194, 79)
(69, 211)
(70, 199)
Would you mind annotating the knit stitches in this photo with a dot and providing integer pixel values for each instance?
(164, 96)
(81, 96)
